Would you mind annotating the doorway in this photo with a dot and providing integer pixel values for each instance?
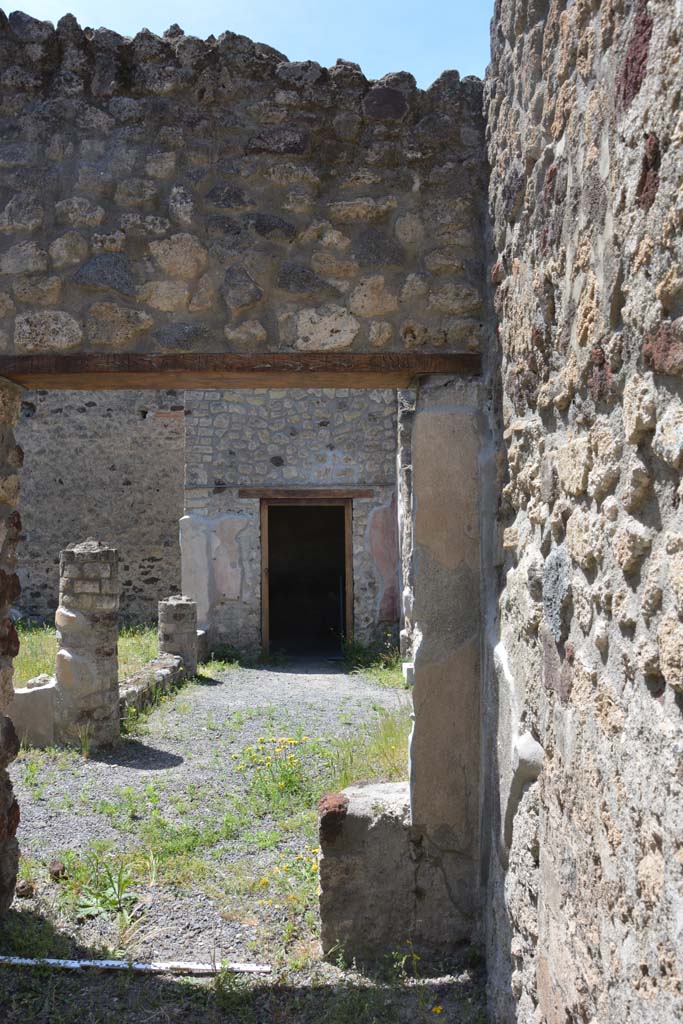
(307, 595)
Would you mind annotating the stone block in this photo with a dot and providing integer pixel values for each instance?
(180, 255)
(367, 895)
(107, 271)
(48, 331)
(385, 886)
(23, 258)
(32, 711)
(326, 329)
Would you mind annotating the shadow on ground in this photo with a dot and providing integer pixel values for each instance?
(43, 995)
(134, 754)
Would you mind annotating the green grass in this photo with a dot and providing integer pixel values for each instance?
(380, 662)
(38, 647)
(137, 646)
(378, 752)
(37, 650)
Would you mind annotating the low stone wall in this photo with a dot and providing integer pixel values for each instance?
(58, 709)
(159, 675)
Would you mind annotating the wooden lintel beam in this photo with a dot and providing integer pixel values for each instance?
(304, 493)
(97, 371)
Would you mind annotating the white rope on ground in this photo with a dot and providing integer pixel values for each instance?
(155, 967)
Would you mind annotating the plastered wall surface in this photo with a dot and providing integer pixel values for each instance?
(585, 130)
(286, 439)
(106, 465)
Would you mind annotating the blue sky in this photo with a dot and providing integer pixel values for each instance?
(424, 37)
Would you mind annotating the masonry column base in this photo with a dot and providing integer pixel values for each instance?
(386, 886)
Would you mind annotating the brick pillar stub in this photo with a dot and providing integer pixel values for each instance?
(178, 630)
(86, 666)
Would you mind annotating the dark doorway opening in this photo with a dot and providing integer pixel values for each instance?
(306, 578)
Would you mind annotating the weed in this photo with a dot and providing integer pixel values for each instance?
(232, 992)
(32, 773)
(97, 886)
(85, 739)
(129, 720)
(379, 662)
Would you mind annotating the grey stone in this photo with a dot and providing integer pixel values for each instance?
(28, 29)
(22, 213)
(299, 72)
(86, 665)
(557, 575)
(182, 337)
(239, 290)
(23, 258)
(48, 331)
(376, 247)
(228, 197)
(108, 271)
(269, 225)
(279, 140)
(297, 278)
(385, 104)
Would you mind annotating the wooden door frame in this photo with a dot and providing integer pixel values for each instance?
(338, 502)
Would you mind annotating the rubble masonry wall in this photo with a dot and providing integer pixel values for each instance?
(585, 890)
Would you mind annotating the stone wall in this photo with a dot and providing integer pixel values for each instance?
(11, 457)
(108, 464)
(586, 874)
(173, 194)
(286, 439)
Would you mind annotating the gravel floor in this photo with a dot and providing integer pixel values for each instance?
(185, 763)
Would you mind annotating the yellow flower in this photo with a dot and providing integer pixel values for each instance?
(437, 1009)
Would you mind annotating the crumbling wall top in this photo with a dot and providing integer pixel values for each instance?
(172, 194)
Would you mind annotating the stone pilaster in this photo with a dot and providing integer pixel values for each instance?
(178, 630)
(87, 635)
(11, 458)
(444, 751)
